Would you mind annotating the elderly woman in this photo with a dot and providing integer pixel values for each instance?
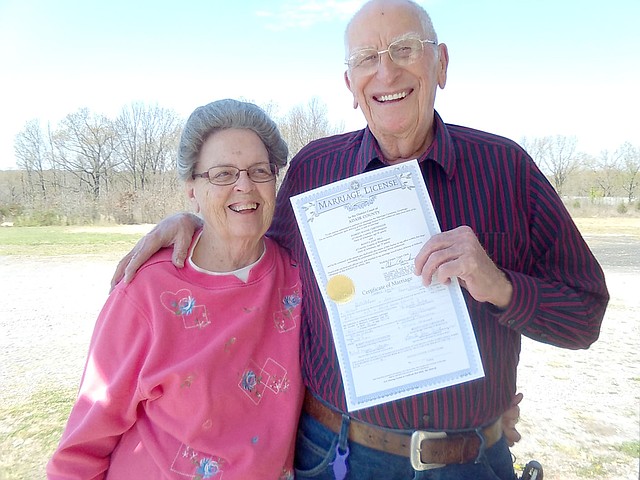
(194, 373)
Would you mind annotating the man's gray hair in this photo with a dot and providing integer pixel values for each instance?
(425, 21)
(221, 115)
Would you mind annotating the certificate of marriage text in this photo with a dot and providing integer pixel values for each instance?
(394, 337)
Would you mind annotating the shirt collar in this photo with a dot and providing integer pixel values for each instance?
(440, 151)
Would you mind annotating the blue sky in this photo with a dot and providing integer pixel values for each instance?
(517, 68)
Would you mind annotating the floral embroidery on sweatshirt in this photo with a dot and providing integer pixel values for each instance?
(287, 317)
(257, 381)
(286, 474)
(195, 465)
(182, 304)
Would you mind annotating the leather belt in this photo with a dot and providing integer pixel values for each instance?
(425, 449)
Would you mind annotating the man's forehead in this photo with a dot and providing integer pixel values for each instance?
(386, 25)
(382, 40)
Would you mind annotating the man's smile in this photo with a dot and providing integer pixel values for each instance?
(391, 97)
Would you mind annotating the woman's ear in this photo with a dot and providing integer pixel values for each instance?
(191, 195)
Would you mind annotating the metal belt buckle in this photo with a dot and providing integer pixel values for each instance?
(416, 448)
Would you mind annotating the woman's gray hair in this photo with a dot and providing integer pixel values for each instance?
(222, 115)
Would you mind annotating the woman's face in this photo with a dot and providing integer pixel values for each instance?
(243, 210)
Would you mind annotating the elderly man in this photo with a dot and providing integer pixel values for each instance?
(507, 237)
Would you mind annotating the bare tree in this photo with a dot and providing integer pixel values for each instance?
(32, 155)
(85, 145)
(148, 140)
(270, 107)
(606, 171)
(304, 123)
(630, 165)
(163, 134)
(556, 156)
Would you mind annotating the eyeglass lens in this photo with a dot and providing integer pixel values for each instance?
(402, 52)
(226, 175)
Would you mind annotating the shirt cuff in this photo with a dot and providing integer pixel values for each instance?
(523, 305)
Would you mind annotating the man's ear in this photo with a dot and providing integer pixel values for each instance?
(443, 63)
(347, 81)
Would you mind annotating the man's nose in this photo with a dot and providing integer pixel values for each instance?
(387, 68)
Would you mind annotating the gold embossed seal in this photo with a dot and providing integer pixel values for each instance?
(341, 289)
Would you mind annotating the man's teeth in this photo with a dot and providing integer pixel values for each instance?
(394, 96)
(248, 206)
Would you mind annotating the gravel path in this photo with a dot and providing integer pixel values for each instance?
(580, 407)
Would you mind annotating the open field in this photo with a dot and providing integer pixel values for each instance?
(580, 415)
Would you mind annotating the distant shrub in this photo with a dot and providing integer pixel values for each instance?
(46, 218)
(10, 211)
(621, 208)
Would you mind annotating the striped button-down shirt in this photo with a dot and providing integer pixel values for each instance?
(490, 184)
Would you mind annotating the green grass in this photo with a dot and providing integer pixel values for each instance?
(53, 241)
(71, 240)
(595, 467)
(631, 448)
(30, 431)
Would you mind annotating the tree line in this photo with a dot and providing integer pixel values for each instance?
(606, 175)
(91, 168)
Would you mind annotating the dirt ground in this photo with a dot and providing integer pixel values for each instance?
(580, 407)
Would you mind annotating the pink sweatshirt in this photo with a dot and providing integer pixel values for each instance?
(190, 376)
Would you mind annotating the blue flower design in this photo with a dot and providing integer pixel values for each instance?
(291, 301)
(249, 380)
(186, 305)
(208, 468)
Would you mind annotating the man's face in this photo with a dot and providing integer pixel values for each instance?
(397, 101)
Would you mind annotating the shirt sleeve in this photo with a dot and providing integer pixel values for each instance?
(561, 299)
(284, 228)
(109, 392)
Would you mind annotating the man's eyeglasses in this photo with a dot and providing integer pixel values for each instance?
(228, 174)
(402, 52)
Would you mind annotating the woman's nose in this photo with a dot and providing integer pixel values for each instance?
(244, 183)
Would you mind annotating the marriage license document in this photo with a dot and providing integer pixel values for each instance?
(394, 337)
